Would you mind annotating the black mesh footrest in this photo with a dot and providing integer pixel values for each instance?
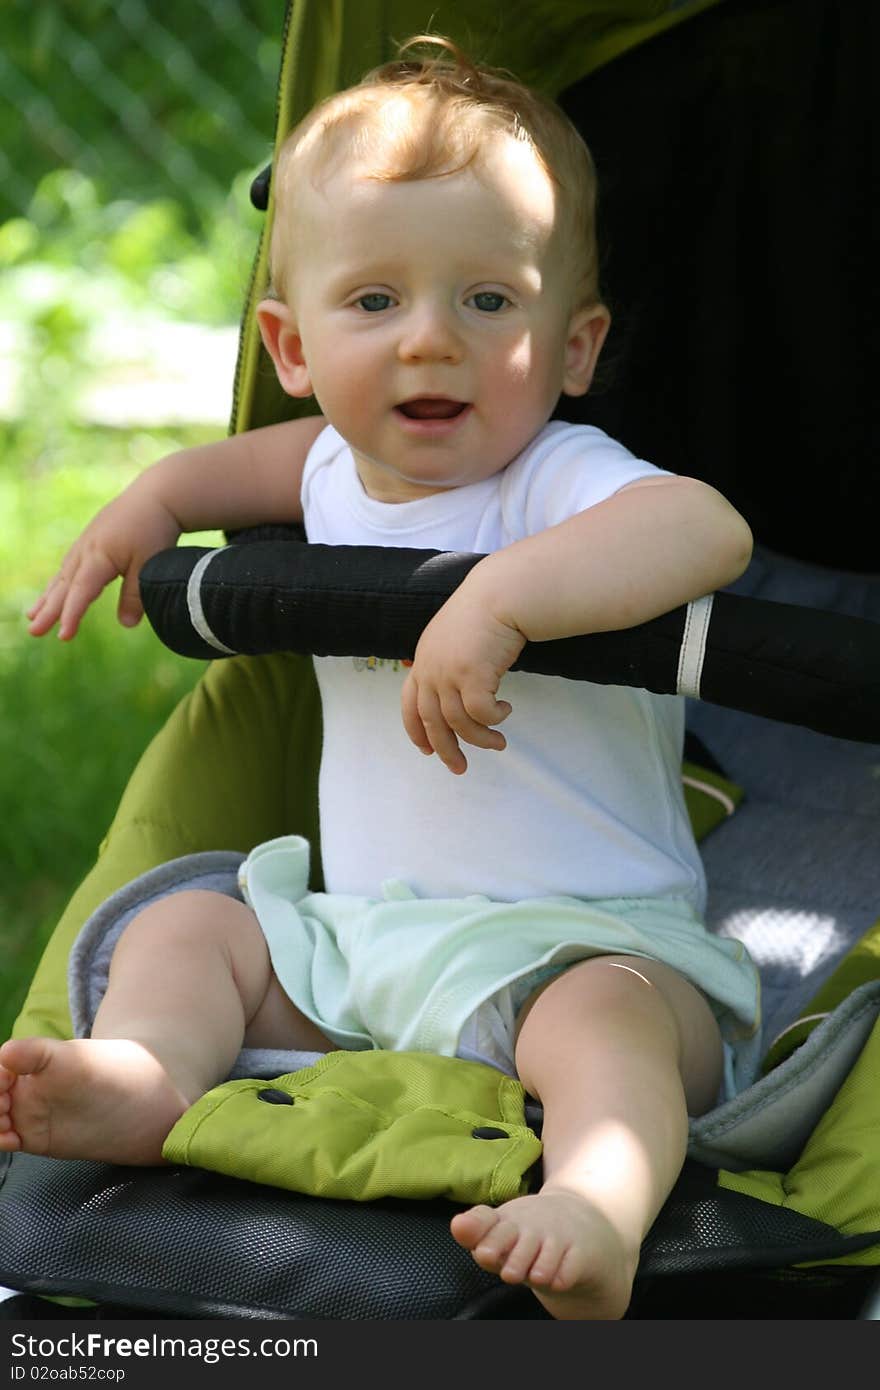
(181, 1241)
(704, 1227)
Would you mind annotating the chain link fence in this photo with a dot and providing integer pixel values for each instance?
(130, 131)
(143, 97)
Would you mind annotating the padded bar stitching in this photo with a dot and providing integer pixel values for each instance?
(194, 604)
(693, 646)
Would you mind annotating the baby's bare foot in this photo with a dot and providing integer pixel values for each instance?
(557, 1243)
(85, 1098)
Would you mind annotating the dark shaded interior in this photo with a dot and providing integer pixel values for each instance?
(735, 158)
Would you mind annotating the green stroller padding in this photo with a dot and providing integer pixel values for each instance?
(710, 797)
(235, 764)
(366, 1125)
(835, 1177)
(860, 964)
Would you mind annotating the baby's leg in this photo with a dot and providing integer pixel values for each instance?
(190, 980)
(619, 1050)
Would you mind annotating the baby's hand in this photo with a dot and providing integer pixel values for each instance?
(118, 541)
(450, 692)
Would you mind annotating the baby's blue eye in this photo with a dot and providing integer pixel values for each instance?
(373, 303)
(488, 302)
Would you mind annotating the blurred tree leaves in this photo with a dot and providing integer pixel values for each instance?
(143, 98)
(131, 131)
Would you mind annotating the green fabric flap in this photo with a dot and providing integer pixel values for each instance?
(365, 1125)
(859, 965)
(709, 797)
(835, 1178)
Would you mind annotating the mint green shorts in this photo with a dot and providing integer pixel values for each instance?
(449, 975)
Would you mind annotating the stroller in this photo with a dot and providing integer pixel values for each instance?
(732, 144)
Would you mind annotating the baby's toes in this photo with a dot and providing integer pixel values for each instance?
(470, 1227)
(9, 1140)
(520, 1258)
(492, 1251)
(548, 1265)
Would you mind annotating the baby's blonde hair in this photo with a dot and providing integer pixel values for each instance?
(426, 117)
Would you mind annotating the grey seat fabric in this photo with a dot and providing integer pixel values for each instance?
(795, 872)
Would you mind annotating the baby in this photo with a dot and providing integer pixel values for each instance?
(435, 288)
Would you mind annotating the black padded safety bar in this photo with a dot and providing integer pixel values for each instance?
(799, 665)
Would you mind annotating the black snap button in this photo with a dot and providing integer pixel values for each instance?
(272, 1096)
(489, 1132)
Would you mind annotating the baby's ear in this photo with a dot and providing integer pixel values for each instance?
(284, 345)
(586, 334)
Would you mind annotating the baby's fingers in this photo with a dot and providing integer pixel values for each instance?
(471, 730)
(483, 708)
(441, 736)
(31, 613)
(129, 609)
(435, 719)
(88, 583)
(430, 730)
(44, 614)
(412, 723)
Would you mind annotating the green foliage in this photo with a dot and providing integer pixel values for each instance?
(75, 716)
(142, 98)
(141, 255)
(131, 133)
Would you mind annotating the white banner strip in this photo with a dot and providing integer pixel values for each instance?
(693, 646)
(194, 604)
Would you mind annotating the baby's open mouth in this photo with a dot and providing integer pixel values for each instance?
(431, 408)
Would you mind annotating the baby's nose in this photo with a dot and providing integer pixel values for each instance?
(429, 334)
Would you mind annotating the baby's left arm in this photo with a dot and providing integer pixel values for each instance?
(240, 481)
(655, 544)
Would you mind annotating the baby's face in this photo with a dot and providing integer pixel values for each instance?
(435, 317)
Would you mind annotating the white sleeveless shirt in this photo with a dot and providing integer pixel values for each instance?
(586, 800)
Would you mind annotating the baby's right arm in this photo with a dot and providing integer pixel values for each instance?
(245, 480)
